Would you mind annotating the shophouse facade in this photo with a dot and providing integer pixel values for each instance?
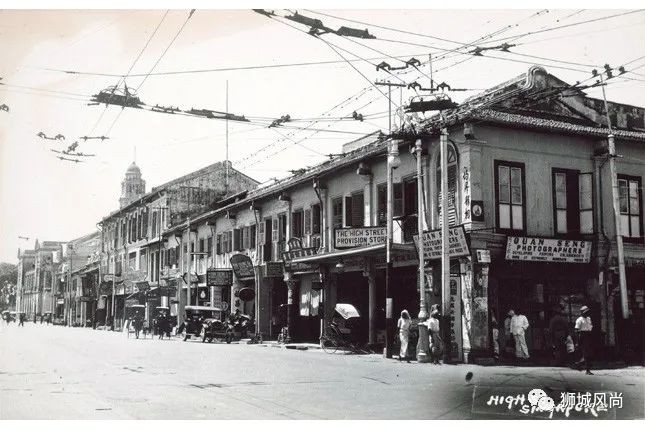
(137, 265)
(529, 204)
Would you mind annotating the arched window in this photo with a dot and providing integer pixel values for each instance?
(453, 217)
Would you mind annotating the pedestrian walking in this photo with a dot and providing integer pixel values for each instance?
(22, 319)
(509, 342)
(404, 334)
(41, 318)
(583, 328)
(495, 340)
(519, 325)
(434, 332)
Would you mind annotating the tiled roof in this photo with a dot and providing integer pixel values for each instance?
(551, 124)
(378, 146)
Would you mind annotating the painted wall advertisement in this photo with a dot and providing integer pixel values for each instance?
(550, 250)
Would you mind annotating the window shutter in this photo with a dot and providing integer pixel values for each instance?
(358, 210)
(397, 192)
(381, 198)
(274, 232)
(252, 236)
(218, 246)
(210, 246)
(230, 241)
(315, 219)
(585, 185)
(307, 221)
(262, 234)
(348, 211)
(245, 238)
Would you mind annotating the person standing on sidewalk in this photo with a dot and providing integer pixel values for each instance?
(404, 334)
(434, 330)
(519, 324)
(583, 328)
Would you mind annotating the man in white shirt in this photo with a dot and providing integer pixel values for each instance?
(583, 328)
(519, 324)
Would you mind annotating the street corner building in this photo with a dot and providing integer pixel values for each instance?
(530, 216)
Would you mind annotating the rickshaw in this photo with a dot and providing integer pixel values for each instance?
(7, 317)
(162, 322)
(135, 316)
(338, 333)
(195, 316)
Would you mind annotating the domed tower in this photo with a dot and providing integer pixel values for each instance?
(132, 187)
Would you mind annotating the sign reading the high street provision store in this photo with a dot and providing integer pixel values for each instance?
(457, 243)
(362, 236)
(540, 249)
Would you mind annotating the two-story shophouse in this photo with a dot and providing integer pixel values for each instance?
(529, 207)
(133, 252)
(533, 190)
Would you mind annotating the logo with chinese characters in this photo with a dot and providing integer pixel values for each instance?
(543, 405)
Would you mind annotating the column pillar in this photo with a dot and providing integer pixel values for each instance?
(371, 283)
(367, 200)
(292, 285)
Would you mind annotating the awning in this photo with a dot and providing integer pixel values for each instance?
(136, 295)
(360, 251)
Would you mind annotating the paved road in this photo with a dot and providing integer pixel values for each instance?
(51, 372)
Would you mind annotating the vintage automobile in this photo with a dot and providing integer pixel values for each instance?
(195, 317)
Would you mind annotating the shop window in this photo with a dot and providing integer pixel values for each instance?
(297, 219)
(572, 202)
(452, 187)
(354, 210)
(337, 212)
(509, 195)
(630, 202)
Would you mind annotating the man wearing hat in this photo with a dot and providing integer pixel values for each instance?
(583, 328)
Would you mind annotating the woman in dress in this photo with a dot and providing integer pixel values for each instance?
(404, 334)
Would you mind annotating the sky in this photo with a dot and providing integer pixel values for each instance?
(50, 199)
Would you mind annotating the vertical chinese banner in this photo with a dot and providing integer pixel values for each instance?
(455, 340)
(466, 216)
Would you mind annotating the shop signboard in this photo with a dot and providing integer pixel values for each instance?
(273, 269)
(242, 266)
(86, 299)
(457, 243)
(357, 237)
(548, 250)
(219, 277)
(483, 256)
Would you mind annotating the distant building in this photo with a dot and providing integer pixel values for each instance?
(131, 237)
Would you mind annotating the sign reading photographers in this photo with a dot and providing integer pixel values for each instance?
(457, 243)
(540, 249)
(362, 236)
